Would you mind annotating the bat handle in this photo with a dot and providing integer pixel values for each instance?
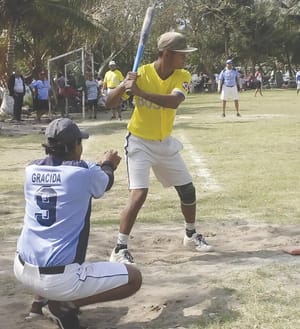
(138, 58)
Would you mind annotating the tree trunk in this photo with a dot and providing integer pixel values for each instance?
(226, 41)
(11, 48)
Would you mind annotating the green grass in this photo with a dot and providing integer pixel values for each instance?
(244, 169)
(254, 160)
(260, 299)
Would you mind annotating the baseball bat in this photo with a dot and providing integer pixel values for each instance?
(145, 31)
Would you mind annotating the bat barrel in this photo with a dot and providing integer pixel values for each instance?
(145, 31)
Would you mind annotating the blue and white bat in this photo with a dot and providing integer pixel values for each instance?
(145, 31)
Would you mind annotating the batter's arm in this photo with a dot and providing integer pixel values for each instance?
(171, 101)
(115, 96)
(167, 101)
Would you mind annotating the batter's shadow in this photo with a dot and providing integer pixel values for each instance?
(172, 313)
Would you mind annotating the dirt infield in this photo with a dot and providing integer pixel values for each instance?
(179, 286)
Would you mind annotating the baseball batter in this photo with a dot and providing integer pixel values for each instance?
(51, 250)
(158, 90)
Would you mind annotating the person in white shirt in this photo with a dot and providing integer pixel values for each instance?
(229, 86)
(92, 94)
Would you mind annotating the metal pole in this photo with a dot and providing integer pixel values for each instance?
(66, 54)
(83, 65)
(49, 79)
(83, 92)
(66, 98)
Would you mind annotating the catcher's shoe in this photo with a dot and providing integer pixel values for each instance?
(197, 241)
(122, 256)
(63, 319)
(36, 309)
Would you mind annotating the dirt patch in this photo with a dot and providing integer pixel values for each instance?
(28, 126)
(178, 287)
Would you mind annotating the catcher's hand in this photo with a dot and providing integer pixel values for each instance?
(111, 156)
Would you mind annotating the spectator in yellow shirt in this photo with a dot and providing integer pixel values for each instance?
(112, 79)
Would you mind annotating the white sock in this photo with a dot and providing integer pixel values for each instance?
(122, 238)
(190, 226)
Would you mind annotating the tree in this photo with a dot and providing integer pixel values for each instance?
(40, 18)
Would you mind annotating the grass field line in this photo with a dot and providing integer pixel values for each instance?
(198, 161)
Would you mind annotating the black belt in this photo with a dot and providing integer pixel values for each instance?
(47, 270)
(230, 86)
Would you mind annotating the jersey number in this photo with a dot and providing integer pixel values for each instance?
(46, 200)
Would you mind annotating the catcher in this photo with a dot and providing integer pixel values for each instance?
(51, 250)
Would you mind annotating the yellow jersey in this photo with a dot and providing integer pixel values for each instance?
(113, 78)
(151, 121)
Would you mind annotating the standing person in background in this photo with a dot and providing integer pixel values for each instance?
(112, 79)
(61, 99)
(229, 86)
(51, 249)
(158, 89)
(42, 88)
(100, 82)
(92, 94)
(259, 81)
(16, 88)
(298, 81)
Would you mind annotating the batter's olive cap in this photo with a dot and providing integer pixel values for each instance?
(174, 41)
(64, 131)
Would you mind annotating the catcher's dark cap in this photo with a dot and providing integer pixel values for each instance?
(64, 131)
(174, 41)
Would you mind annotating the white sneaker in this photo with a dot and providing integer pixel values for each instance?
(198, 242)
(123, 256)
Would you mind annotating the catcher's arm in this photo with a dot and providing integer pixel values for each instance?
(109, 163)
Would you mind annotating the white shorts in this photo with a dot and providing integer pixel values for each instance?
(162, 156)
(77, 281)
(229, 93)
(298, 84)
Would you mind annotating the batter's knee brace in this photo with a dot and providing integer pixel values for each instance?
(187, 194)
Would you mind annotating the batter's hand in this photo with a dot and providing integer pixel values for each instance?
(130, 83)
(111, 156)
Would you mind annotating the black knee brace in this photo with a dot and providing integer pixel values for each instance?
(187, 194)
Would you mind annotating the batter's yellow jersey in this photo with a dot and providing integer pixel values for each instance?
(113, 78)
(151, 121)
